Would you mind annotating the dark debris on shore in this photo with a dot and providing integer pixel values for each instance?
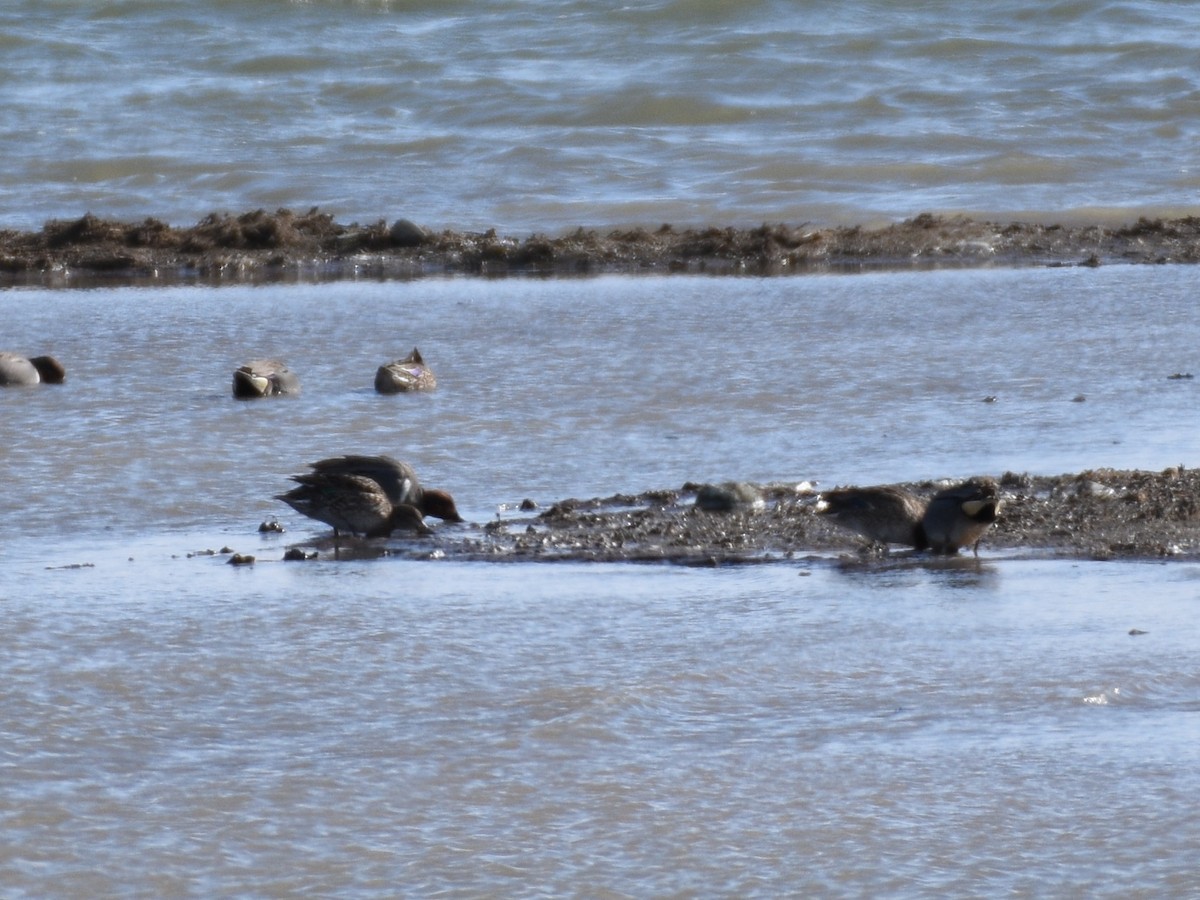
(1099, 514)
(260, 246)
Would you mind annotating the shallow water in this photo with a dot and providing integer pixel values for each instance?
(173, 725)
(538, 115)
(553, 389)
(398, 728)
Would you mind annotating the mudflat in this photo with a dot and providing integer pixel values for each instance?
(1100, 514)
(259, 246)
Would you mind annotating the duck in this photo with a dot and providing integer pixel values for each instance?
(351, 503)
(398, 481)
(884, 515)
(728, 496)
(403, 375)
(19, 370)
(264, 378)
(960, 515)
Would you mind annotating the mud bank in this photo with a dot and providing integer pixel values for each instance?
(258, 247)
(1101, 514)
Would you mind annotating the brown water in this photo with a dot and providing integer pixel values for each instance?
(171, 725)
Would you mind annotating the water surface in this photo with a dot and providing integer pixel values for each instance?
(578, 388)
(176, 726)
(544, 115)
(391, 727)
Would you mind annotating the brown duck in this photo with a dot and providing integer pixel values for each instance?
(264, 378)
(403, 375)
(19, 370)
(883, 515)
(351, 504)
(959, 516)
(398, 480)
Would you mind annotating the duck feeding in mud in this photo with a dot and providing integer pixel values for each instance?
(351, 504)
(883, 515)
(955, 517)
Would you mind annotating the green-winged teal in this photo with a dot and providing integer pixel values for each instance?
(403, 375)
(398, 480)
(264, 378)
(884, 514)
(728, 496)
(351, 504)
(20, 370)
(958, 516)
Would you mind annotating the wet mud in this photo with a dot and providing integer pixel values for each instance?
(260, 246)
(1098, 515)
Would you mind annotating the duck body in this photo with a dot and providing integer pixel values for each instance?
(728, 496)
(884, 514)
(959, 516)
(17, 370)
(398, 481)
(401, 376)
(352, 504)
(264, 378)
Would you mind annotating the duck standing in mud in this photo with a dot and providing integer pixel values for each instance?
(351, 504)
(883, 515)
(397, 479)
(959, 516)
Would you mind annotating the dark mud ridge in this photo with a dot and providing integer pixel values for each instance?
(1100, 514)
(260, 246)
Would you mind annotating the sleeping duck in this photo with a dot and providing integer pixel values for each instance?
(403, 375)
(264, 378)
(19, 370)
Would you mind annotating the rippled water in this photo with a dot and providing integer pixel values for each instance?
(528, 114)
(174, 726)
(171, 725)
(403, 729)
(552, 389)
